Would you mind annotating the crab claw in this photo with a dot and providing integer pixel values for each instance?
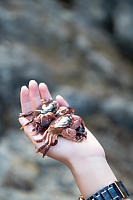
(76, 132)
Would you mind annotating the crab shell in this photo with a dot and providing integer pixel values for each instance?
(56, 127)
(43, 116)
(68, 128)
(63, 110)
(42, 122)
(51, 106)
(60, 123)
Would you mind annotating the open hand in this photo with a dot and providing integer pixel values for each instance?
(65, 151)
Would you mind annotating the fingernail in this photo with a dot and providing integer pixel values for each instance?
(58, 96)
(24, 87)
(32, 82)
(42, 85)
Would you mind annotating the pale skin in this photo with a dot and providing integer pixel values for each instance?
(86, 159)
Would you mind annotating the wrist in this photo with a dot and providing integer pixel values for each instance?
(92, 174)
(84, 151)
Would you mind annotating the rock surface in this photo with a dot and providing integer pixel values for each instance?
(119, 110)
(123, 26)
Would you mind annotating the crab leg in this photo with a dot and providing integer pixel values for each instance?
(26, 114)
(46, 150)
(36, 127)
(34, 113)
(43, 146)
(26, 124)
(35, 133)
(48, 146)
(39, 138)
(54, 140)
(81, 130)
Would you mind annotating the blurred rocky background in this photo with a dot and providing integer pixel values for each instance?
(83, 50)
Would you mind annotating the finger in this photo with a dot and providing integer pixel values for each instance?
(34, 94)
(25, 100)
(45, 94)
(61, 101)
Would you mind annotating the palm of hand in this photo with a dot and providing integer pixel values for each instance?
(65, 150)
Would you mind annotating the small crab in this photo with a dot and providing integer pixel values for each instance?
(47, 106)
(43, 116)
(65, 126)
(50, 121)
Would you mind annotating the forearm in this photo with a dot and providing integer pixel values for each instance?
(92, 174)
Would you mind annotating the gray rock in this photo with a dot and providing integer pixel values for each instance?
(115, 16)
(83, 104)
(1, 120)
(123, 26)
(96, 12)
(33, 25)
(25, 25)
(18, 65)
(120, 110)
(101, 65)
